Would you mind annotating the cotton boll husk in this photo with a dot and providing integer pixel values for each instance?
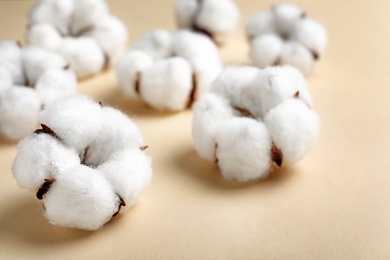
(286, 16)
(127, 68)
(312, 35)
(111, 35)
(129, 172)
(157, 44)
(44, 35)
(260, 23)
(296, 55)
(75, 119)
(185, 11)
(56, 12)
(276, 84)
(80, 198)
(167, 84)
(244, 149)
(83, 54)
(217, 16)
(294, 129)
(86, 14)
(235, 84)
(36, 60)
(55, 83)
(116, 133)
(19, 108)
(188, 45)
(41, 156)
(208, 112)
(5, 79)
(10, 59)
(266, 50)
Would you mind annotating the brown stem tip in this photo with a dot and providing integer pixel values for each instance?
(46, 130)
(143, 148)
(121, 203)
(276, 155)
(45, 187)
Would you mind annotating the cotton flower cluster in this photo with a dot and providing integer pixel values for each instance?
(285, 35)
(214, 18)
(252, 118)
(86, 162)
(169, 70)
(30, 77)
(82, 31)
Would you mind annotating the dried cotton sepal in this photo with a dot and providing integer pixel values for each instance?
(82, 31)
(215, 18)
(285, 35)
(86, 162)
(252, 118)
(169, 70)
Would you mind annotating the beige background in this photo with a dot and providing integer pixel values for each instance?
(335, 204)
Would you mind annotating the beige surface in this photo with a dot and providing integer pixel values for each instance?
(335, 204)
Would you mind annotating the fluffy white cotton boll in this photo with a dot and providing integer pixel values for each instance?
(5, 79)
(294, 129)
(286, 16)
(55, 83)
(209, 111)
(235, 83)
(276, 84)
(296, 55)
(128, 68)
(188, 44)
(116, 133)
(312, 35)
(217, 16)
(129, 172)
(75, 119)
(260, 23)
(36, 60)
(185, 12)
(157, 44)
(266, 50)
(206, 70)
(41, 156)
(44, 35)
(56, 12)
(83, 54)
(244, 149)
(86, 13)
(19, 108)
(167, 84)
(111, 35)
(80, 198)
(10, 59)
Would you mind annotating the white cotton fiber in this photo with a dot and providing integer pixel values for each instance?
(129, 172)
(265, 50)
(209, 111)
(167, 84)
(286, 16)
(44, 35)
(185, 11)
(117, 132)
(129, 69)
(188, 45)
(296, 55)
(19, 108)
(80, 198)
(294, 129)
(157, 44)
(5, 79)
(243, 150)
(10, 59)
(75, 119)
(41, 156)
(260, 23)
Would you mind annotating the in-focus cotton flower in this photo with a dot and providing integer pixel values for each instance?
(215, 18)
(284, 35)
(30, 78)
(252, 118)
(86, 162)
(169, 70)
(82, 31)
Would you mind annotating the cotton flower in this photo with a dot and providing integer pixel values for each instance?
(215, 18)
(82, 31)
(252, 118)
(30, 78)
(86, 163)
(169, 70)
(285, 35)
